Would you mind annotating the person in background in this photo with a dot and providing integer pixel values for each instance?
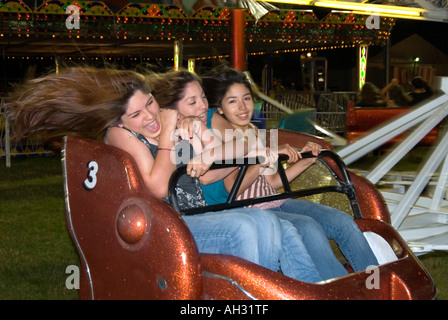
(370, 96)
(394, 95)
(421, 90)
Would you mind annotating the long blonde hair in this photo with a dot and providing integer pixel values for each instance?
(81, 101)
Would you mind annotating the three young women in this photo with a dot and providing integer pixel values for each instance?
(231, 92)
(86, 101)
(191, 101)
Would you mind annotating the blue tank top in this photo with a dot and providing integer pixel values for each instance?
(214, 193)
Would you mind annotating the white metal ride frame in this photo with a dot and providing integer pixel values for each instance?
(421, 220)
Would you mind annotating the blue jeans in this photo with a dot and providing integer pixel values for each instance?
(256, 235)
(317, 223)
(295, 262)
(249, 233)
(280, 246)
(270, 236)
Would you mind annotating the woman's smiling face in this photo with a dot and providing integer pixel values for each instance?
(237, 106)
(194, 102)
(143, 115)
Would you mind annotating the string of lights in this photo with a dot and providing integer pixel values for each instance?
(286, 30)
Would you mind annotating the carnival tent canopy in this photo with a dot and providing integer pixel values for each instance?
(148, 31)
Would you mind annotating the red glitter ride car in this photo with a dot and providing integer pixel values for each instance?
(133, 245)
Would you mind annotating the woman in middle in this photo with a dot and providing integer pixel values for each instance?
(190, 100)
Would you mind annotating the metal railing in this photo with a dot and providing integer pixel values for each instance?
(420, 218)
(331, 107)
(25, 147)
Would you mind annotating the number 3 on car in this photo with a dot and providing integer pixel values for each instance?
(90, 182)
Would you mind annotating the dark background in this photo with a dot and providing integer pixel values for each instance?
(342, 63)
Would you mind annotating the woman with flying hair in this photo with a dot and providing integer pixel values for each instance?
(86, 101)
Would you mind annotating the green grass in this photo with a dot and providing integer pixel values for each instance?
(35, 247)
(437, 265)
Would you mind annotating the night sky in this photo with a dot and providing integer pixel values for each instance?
(340, 61)
(434, 32)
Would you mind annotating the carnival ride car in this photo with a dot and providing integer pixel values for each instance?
(361, 120)
(133, 245)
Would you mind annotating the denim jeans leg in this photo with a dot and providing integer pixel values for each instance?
(269, 236)
(316, 244)
(295, 261)
(226, 232)
(339, 226)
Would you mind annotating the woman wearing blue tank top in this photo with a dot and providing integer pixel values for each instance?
(230, 93)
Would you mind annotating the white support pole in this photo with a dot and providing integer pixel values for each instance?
(403, 208)
(384, 133)
(264, 97)
(407, 144)
(440, 190)
(336, 139)
(376, 139)
(274, 102)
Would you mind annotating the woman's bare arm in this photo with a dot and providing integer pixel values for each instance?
(156, 172)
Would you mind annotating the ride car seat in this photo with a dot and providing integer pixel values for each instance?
(133, 245)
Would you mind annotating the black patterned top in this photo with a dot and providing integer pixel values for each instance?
(188, 190)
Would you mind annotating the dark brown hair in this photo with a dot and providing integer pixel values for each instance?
(169, 88)
(81, 101)
(217, 83)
